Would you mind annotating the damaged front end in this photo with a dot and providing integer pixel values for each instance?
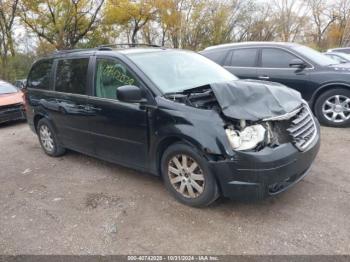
(272, 134)
(297, 127)
(257, 114)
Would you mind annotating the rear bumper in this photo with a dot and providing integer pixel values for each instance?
(256, 175)
(11, 113)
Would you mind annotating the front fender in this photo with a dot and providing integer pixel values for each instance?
(207, 139)
(203, 129)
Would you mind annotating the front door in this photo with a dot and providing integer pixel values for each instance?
(274, 66)
(120, 129)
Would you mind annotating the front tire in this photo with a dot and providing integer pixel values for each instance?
(48, 139)
(187, 176)
(332, 108)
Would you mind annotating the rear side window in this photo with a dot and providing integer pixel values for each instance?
(276, 58)
(71, 75)
(217, 56)
(39, 76)
(242, 57)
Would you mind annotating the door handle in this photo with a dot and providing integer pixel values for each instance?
(90, 108)
(264, 77)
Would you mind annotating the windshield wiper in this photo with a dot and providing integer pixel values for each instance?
(174, 93)
(189, 90)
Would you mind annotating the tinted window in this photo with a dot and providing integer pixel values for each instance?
(111, 74)
(71, 75)
(6, 88)
(242, 57)
(276, 58)
(39, 76)
(217, 56)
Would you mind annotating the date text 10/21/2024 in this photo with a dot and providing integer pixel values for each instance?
(173, 258)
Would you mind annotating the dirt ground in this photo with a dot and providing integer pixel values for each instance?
(80, 205)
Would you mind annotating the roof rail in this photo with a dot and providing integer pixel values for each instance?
(108, 47)
(67, 51)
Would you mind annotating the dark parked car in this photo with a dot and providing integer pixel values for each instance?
(21, 83)
(175, 114)
(323, 82)
(11, 103)
(341, 58)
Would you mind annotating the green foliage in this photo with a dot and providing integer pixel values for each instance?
(132, 15)
(104, 34)
(17, 67)
(189, 24)
(62, 23)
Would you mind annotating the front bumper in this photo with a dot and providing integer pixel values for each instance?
(256, 175)
(11, 113)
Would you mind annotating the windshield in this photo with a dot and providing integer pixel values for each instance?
(6, 88)
(314, 55)
(176, 71)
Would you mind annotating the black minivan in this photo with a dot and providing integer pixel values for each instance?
(175, 114)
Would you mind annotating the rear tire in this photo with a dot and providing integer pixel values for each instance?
(48, 139)
(187, 176)
(332, 108)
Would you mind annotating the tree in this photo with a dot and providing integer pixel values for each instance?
(258, 24)
(342, 23)
(291, 16)
(62, 23)
(323, 16)
(8, 12)
(169, 20)
(132, 15)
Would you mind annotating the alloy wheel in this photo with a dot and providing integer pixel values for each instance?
(186, 176)
(337, 108)
(46, 138)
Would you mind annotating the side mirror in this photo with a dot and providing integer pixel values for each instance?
(130, 94)
(298, 63)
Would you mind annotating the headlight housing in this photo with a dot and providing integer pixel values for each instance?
(246, 139)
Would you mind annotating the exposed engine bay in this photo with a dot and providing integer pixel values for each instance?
(271, 126)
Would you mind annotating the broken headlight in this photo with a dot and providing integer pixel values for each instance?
(248, 138)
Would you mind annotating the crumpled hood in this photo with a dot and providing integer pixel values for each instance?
(255, 100)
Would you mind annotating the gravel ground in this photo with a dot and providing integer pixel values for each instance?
(80, 205)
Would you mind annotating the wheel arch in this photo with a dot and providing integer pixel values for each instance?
(36, 120)
(168, 141)
(163, 145)
(326, 88)
(40, 116)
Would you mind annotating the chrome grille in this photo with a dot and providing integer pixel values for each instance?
(303, 128)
